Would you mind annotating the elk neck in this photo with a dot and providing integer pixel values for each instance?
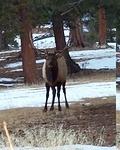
(52, 72)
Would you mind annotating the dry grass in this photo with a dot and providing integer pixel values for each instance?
(92, 76)
(118, 117)
(118, 128)
(82, 124)
(42, 137)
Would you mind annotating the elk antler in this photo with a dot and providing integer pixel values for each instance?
(66, 47)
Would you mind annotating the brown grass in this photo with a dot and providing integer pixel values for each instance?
(118, 117)
(92, 122)
(118, 128)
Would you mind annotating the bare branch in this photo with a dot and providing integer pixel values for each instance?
(74, 4)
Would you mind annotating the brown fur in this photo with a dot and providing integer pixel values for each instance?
(51, 69)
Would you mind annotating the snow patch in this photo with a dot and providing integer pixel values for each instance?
(19, 64)
(67, 147)
(9, 51)
(118, 100)
(35, 96)
(45, 43)
(95, 59)
(14, 65)
(90, 54)
(89, 59)
(6, 79)
(40, 61)
(102, 63)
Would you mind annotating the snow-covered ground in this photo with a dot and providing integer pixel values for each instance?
(45, 43)
(19, 64)
(89, 59)
(9, 51)
(95, 59)
(102, 63)
(89, 54)
(92, 59)
(35, 96)
(68, 147)
(118, 100)
(118, 79)
(6, 79)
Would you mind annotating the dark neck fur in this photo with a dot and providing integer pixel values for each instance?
(52, 73)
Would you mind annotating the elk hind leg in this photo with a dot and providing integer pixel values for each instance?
(64, 91)
(53, 100)
(58, 95)
(47, 96)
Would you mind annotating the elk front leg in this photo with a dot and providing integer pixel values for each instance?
(47, 96)
(64, 91)
(58, 95)
(53, 100)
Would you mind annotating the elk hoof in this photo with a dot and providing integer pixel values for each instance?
(67, 106)
(45, 109)
(51, 108)
(59, 108)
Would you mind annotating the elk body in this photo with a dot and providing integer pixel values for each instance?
(54, 74)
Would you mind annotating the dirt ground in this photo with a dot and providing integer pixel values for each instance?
(96, 118)
(118, 128)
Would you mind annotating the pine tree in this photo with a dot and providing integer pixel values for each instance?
(102, 25)
(27, 48)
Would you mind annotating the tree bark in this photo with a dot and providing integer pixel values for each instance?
(76, 38)
(3, 41)
(28, 53)
(58, 29)
(102, 26)
(0, 40)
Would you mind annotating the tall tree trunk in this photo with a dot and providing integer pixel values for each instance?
(0, 40)
(76, 38)
(3, 41)
(28, 53)
(102, 25)
(58, 29)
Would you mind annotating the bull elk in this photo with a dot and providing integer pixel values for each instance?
(54, 73)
